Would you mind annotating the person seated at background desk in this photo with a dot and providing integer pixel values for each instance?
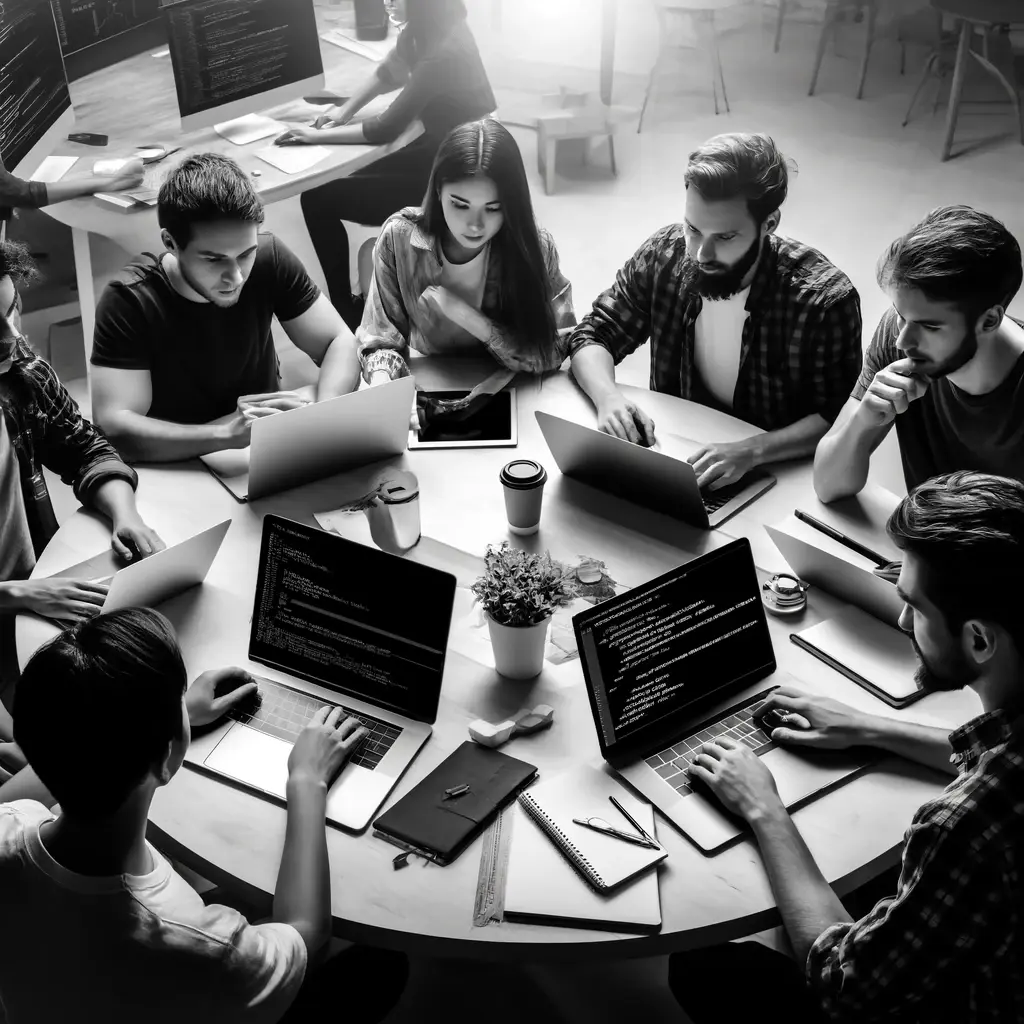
(437, 65)
(948, 948)
(98, 926)
(181, 337)
(946, 364)
(738, 318)
(469, 268)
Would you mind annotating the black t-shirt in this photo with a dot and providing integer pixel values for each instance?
(948, 429)
(201, 358)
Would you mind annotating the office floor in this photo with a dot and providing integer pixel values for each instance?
(862, 180)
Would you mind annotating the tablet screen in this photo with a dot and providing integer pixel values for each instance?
(495, 425)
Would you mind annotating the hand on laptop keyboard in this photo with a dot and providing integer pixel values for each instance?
(718, 465)
(218, 693)
(740, 779)
(323, 746)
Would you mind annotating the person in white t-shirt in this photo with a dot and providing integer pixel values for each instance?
(97, 924)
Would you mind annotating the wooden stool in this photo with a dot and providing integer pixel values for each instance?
(832, 13)
(583, 122)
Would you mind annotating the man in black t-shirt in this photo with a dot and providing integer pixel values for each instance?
(183, 357)
(946, 363)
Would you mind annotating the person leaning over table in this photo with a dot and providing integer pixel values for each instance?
(180, 338)
(739, 318)
(469, 269)
(948, 947)
(97, 924)
(946, 364)
(40, 425)
(443, 83)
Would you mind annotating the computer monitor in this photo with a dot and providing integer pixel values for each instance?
(233, 57)
(35, 105)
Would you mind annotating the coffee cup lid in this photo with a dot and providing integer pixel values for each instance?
(523, 473)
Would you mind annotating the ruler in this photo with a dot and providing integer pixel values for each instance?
(490, 884)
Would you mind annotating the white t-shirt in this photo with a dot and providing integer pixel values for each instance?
(129, 948)
(467, 280)
(717, 343)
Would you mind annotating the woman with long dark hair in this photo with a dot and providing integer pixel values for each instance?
(470, 269)
(438, 68)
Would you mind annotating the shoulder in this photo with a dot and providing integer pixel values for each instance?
(810, 274)
(272, 252)
(665, 248)
(547, 245)
(457, 42)
(15, 819)
(403, 225)
(141, 275)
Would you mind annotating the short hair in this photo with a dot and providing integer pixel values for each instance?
(16, 262)
(959, 255)
(97, 707)
(967, 529)
(203, 189)
(740, 165)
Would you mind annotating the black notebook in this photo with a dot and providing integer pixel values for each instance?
(439, 828)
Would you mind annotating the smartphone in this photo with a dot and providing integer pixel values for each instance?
(88, 138)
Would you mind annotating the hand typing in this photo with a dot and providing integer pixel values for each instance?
(717, 465)
(621, 417)
(67, 600)
(324, 746)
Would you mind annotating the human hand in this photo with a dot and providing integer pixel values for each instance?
(66, 600)
(298, 136)
(890, 393)
(324, 746)
(131, 175)
(737, 776)
(130, 532)
(203, 704)
(621, 417)
(813, 721)
(717, 465)
(255, 406)
(379, 377)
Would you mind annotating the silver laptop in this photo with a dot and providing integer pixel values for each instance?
(659, 477)
(318, 440)
(853, 583)
(683, 659)
(159, 577)
(330, 618)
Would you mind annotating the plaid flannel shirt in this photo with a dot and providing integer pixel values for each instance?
(801, 348)
(46, 428)
(949, 947)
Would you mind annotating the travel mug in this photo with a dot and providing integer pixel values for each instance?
(523, 481)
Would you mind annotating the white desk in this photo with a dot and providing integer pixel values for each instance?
(235, 838)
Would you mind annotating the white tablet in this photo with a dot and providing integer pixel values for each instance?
(496, 425)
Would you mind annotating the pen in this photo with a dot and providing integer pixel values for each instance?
(629, 817)
(829, 531)
(451, 794)
(616, 834)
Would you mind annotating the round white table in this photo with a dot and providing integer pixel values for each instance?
(234, 838)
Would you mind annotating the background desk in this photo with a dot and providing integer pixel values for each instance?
(134, 103)
(235, 838)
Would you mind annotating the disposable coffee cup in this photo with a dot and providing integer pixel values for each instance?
(523, 482)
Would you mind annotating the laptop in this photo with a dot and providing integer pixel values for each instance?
(155, 579)
(332, 618)
(853, 583)
(659, 477)
(317, 441)
(678, 661)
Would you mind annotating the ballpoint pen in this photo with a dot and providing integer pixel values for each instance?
(629, 817)
(615, 833)
(831, 531)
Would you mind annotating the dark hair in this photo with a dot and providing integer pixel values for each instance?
(740, 165)
(96, 708)
(959, 255)
(16, 262)
(203, 189)
(433, 19)
(967, 529)
(486, 148)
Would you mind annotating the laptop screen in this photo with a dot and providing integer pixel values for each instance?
(351, 618)
(695, 634)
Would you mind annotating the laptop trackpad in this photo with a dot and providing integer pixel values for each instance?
(797, 776)
(252, 758)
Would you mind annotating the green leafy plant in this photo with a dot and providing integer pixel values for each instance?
(522, 589)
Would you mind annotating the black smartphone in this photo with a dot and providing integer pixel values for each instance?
(324, 99)
(88, 138)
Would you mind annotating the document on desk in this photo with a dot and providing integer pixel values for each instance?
(293, 159)
(249, 128)
(53, 168)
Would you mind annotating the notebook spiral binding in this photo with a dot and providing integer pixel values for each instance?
(564, 843)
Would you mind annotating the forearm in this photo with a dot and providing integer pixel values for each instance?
(805, 900)
(340, 369)
(12, 596)
(346, 135)
(75, 188)
(924, 744)
(371, 88)
(594, 370)
(143, 439)
(115, 499)
(842, 461)
(26, 785)
(303, 894)
(793, 442)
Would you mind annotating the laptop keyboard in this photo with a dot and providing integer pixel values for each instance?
(283, 712)
(738, 724)
(714, 500)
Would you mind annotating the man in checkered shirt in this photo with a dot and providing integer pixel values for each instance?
(948, 947)
(738, 317)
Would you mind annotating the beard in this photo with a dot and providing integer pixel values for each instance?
(961, 357)
(723, 283)
(211, 296)
(956, 673)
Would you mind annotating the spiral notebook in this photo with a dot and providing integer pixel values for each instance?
(563, 873)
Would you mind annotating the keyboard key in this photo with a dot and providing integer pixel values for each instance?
(655, 760)
(681, 784)
(667, 770)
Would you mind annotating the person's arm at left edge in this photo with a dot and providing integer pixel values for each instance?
(325, 338)
(831, 363)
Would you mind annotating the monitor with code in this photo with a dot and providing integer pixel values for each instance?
(236, 57)
(654, 654)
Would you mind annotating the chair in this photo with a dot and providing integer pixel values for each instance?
(674, 17)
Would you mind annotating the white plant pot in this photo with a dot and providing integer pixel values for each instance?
(518, 650)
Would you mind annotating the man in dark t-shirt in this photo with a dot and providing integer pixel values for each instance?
(946, 364)
(183, 356)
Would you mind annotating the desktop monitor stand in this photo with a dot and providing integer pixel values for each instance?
(250, 128)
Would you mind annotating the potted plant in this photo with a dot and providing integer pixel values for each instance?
(519, 592)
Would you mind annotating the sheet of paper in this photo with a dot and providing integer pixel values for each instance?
(293, 159)
(250, 128)
(53, 168)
